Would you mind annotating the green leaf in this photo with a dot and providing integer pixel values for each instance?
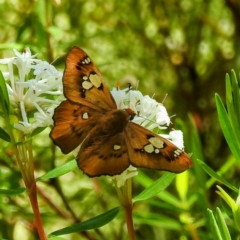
(231, 108)
(213, 225)
(231, 203)
(10, 192)
(59, 171)
(213, 174)
(196, 148)
(222, 225)
(4, 135)
(56, 238)
(92, 223)
(228, 131)
(158, 186)
(37, 131)
(4, 94)
(182, 181)
(165, 196)
(236, 95)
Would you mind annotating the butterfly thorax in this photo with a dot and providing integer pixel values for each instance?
(114, 122)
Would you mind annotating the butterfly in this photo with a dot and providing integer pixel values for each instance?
(110, 141)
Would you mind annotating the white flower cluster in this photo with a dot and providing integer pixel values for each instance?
(33, 90)
(149, 114)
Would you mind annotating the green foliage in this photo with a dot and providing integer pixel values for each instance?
(10, 192)
(59, 171)
(155, 188)
(213, 174)
(92, 223)
(218, 225)
(230, 121)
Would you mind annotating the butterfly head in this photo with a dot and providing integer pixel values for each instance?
(131, 113)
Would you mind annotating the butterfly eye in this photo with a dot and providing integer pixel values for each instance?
(131, 113)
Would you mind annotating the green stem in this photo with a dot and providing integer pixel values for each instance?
(30, 183)
(24, 158)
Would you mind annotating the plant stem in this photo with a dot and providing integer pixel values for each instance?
(125, 197)
(30, 183)
(32, 193)
(129, 221)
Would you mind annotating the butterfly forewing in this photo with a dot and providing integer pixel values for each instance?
(72, 123)
(149, 150)
(83, 83)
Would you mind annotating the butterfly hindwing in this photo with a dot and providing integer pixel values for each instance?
(103, 155)
(149, 150)
(83, 83)
(72, 123)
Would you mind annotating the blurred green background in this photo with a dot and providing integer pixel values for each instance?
(181, 48)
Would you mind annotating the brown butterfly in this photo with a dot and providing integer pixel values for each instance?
(110, 142)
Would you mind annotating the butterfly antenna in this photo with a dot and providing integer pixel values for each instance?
(137, 84)
(164, 98)
(129, 89)
(174, 115)
(152, 121)
(54, 60)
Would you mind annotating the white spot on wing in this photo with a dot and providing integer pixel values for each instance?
(149, 148)
(86, 60)
(95, 80)
(116, 147)
(156, 142)
(87, 85)
(85, 116)
(177, 153)
(157, 150)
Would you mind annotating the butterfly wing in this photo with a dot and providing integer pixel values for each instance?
(72, 123)
(149, 150)
(103, 155)
(83, 83)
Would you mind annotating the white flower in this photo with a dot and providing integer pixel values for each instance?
(176, 137)
(126, 174)
(33, 91)
(149, 113)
